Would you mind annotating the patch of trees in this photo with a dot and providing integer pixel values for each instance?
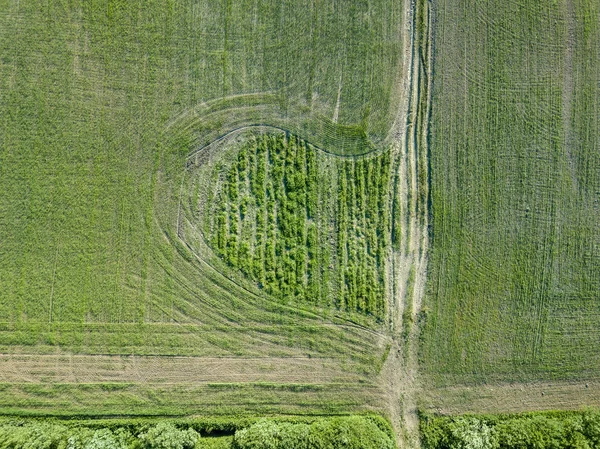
(54, 435)
(558, 430)
(305, 227)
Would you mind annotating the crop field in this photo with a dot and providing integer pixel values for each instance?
(514, 279)
(103, 106)
(91, 160)
(244, 208)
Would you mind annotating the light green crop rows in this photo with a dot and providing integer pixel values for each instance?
(514, 279)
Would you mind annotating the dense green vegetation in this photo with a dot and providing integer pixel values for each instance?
(549, 430)
(116, 434)
(302, 224)
(349, 433)
(514, 276)
(352, 432)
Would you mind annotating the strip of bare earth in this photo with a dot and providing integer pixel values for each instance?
(66, 368)
(512, 398)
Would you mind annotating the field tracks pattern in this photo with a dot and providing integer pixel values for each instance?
(89, 369)
(409, 261)
(207, 308)
(408, 140)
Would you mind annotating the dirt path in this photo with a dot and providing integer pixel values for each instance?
(400, 375)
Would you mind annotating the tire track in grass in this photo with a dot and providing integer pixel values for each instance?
(568, 90)
(400, 376)
(512, 398)
(173, 370)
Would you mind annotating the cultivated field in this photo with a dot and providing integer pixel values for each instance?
(514, 277)
(103, 107)
(94, 97)
(241, 208)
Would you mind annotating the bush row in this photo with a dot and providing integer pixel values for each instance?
(351, 432)
(557, 430)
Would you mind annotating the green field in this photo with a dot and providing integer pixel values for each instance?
(244, 208)
(514, 271)
(101, 103)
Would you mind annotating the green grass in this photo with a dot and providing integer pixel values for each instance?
(95, 98)
(97, 400)
(123, 122)
(514, 267)
(101, 104)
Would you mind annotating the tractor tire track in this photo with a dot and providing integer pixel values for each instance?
(400, 374)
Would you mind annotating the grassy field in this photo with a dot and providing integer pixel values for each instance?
(92, 153)
(306, 208)
(513, 283)
(101, 105)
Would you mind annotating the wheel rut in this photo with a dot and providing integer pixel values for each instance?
(400, 374)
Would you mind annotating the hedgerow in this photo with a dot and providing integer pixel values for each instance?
(550, 430)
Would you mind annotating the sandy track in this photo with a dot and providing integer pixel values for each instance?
(64, 368)
(400, 375)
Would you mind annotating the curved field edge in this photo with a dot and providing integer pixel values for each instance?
(214, 121)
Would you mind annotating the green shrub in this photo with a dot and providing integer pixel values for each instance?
(349, 433)
(275, 210)
(33, 436)
(574, 430)
(166, 436)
